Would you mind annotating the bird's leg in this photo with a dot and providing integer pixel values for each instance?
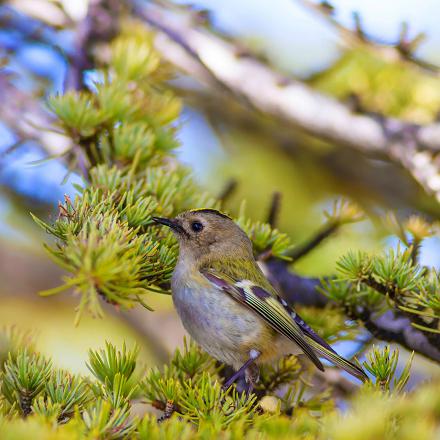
(253, 356)
(252, 374)
(237, 374)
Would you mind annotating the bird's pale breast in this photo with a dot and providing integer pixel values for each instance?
(224, 328)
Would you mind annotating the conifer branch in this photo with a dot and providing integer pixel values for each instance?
(394, 325)
(188, 386)
(391, 326)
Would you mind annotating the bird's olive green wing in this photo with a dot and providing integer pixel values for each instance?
(260, 300)
(245, 282)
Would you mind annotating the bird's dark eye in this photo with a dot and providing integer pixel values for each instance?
(196, 226)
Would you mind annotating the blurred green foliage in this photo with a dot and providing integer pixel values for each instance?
(382, 85)
(188, 392)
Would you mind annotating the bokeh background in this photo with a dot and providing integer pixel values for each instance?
(37, 39)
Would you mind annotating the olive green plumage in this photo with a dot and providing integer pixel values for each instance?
(227, 304)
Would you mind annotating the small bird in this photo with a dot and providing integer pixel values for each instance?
(227, 304)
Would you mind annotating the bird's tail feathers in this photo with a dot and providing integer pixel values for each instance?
(338, 361)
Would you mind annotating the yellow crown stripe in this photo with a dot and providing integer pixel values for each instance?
(210, 211)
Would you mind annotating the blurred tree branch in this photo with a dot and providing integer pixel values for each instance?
(402, 49)
(220, 64)
(385, 180)
(101, 24)
(34, 123)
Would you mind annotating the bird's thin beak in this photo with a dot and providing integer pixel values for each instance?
(171, 223)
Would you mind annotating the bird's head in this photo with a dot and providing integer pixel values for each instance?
(208, 234)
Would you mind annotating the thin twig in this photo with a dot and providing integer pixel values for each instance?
(300, 251)
(274, 209)
(227, 191)
(415, 251)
